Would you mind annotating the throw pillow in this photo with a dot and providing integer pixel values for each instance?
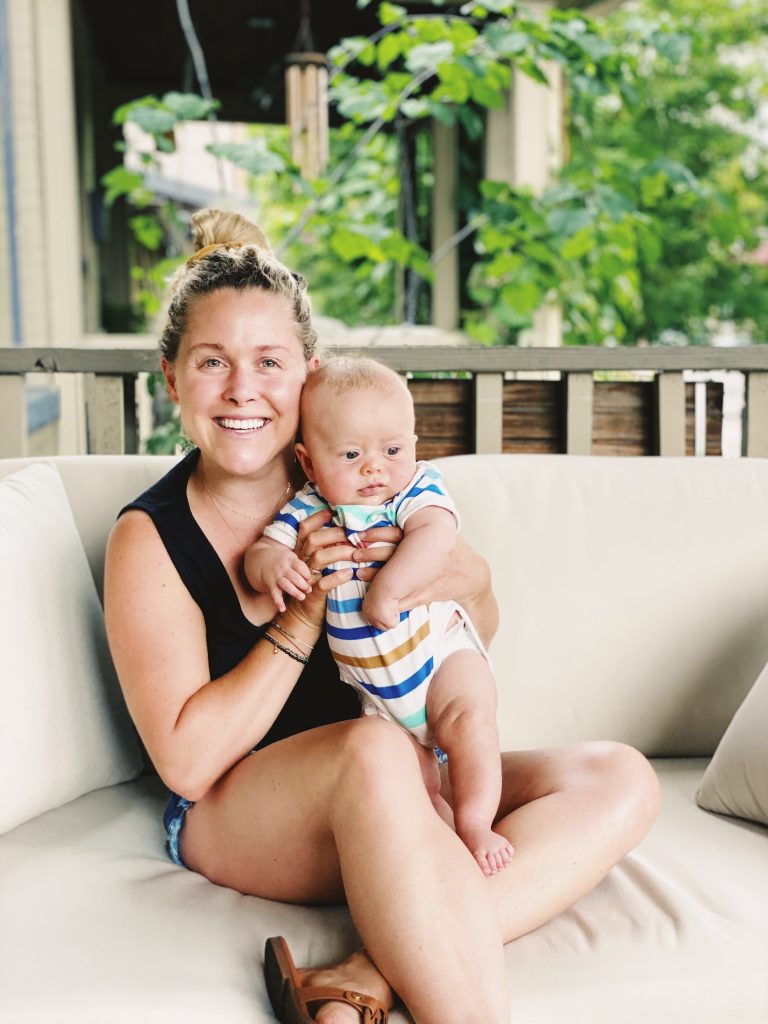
(736, 779)
(64, 729)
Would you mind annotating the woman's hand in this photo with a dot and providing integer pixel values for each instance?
(467, 581)
(319, 545)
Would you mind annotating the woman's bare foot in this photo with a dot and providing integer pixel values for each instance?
(491, 851)
(357, 974)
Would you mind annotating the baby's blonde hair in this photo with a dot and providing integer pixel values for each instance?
(232, 252)
(341, 374)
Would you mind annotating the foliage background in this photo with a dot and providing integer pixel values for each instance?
(646, 237)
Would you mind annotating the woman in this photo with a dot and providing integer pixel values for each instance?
(277, 785)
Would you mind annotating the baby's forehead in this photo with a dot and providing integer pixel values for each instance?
(330, 409)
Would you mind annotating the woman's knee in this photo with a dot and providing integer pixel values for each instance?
(375, 758)
(623, 780)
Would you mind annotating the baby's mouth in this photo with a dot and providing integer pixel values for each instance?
(241, 426)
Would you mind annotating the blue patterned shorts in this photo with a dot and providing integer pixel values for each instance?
(173, 819)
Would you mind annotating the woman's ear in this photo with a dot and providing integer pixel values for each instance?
(304, 459)
(170, 380)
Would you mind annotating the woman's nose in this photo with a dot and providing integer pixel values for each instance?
(240, 386)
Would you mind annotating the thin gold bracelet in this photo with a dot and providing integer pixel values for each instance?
(286, 650)
(290, 636)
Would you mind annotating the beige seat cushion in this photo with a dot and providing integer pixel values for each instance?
(91, 904)
(736, 781)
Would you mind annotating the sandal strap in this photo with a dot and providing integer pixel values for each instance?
(372, 1011)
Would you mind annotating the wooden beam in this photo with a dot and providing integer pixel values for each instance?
(104, 415)
(756, 419)
(445, 287)
(13, 417)
(471, 358)
(489, 412)
(670, 413)
(579, 400)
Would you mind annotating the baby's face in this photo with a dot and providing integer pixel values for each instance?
(359, 447)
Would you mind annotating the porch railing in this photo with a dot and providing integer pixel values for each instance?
(479, 410)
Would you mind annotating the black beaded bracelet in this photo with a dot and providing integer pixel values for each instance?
(274, 624)
(286, 650)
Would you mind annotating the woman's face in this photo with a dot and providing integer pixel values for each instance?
(237, 378)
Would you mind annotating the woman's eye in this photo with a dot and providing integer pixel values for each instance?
(212, 362)
(393, 450)
(269, 363)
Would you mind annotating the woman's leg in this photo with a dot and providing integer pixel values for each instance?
(342, 811)
(571, 813)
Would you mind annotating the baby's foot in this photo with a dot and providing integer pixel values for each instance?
(491, 851)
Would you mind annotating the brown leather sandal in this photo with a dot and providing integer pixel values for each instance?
(291, 1000)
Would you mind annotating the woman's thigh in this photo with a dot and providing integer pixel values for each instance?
(265, 827)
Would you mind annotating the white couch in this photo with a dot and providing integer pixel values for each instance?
(634, 606)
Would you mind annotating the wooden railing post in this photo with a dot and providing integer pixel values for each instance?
(756, 418)
(579, 398)
(104, 415)
(13, 416)
(670, 413)
(489, 412)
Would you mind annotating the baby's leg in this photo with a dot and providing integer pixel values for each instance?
(461, 710)
(430, 772)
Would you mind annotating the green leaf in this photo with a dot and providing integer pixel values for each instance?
(188, 106)
(390, 13)
(568, 222)
(521, 296)
(154, 120)
(120, 182)
(389, 50)
(578, 245)
(253, 156)
(147, 231)
(427, 56)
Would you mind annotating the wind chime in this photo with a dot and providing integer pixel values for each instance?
(306, 100)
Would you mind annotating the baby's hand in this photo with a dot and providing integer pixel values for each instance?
(283, 572)
(381, 612)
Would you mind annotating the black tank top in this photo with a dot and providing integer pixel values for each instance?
(319, 696)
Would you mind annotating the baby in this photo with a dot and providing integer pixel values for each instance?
(425, 669)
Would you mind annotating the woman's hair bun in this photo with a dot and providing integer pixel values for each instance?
(220, 227)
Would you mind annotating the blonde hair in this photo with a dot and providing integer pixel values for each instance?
(232, 252)
(347, 373)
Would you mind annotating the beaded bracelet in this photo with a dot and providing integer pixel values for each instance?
(286, 650)
(289, 635)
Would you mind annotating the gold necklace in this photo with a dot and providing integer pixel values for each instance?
(235, 512)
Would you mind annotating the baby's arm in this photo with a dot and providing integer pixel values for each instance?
(273, 568)
(423, 553)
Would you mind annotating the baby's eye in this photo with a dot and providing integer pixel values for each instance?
(393, 450)
(350, 455)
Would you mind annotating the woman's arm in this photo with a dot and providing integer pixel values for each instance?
(194, 728)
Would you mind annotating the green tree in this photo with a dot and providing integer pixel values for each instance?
(686, 157)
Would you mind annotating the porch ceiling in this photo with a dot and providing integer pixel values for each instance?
(140, 47)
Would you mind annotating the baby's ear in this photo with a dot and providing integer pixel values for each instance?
(306, 462)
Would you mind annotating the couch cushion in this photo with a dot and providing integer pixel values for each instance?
(92, 905)
(633, 593)
(736, 781)
(63, 727)
(98, 486)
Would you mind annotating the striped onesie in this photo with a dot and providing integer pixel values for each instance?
(391, 669)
